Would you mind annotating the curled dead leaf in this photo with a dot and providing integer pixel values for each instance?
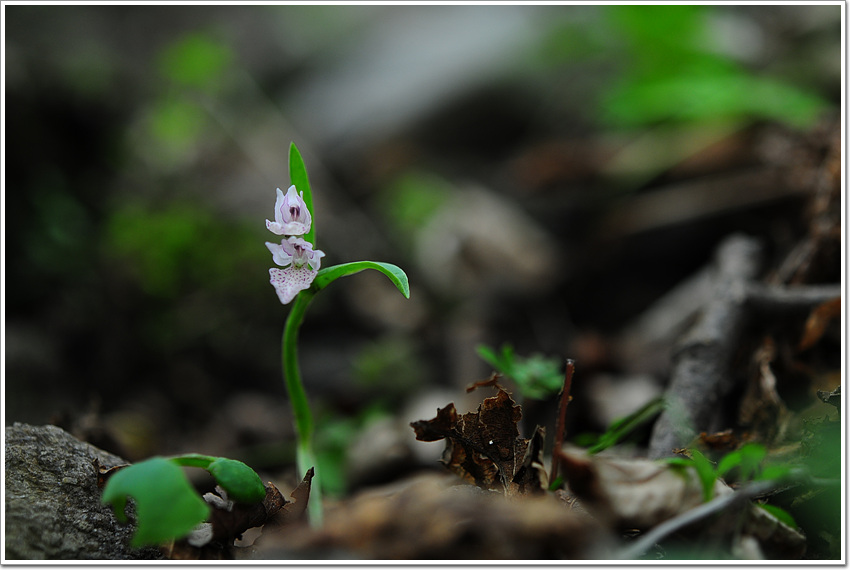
(484, 447)
(631, 493)
(820, 317)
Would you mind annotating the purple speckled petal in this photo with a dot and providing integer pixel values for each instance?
(288, 282)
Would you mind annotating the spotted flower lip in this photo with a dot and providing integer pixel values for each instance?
(301, 265)
(290, 281)
(291, 215)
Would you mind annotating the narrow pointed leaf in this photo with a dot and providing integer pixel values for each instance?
(781, 514)
(393, 272)
(298, 177)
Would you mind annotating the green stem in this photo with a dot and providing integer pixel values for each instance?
(304, 427)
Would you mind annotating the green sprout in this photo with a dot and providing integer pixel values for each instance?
(623, 427)
(167, 506)
(536, 377)
(298, 281)
(748, 461)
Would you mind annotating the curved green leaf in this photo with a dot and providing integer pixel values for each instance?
(780, 513)
(167, 506)
(394, 272)
(193, 460)
(298, 177)
(706, 473)
(240, 481)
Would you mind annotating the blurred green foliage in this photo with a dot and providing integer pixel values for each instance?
(195, 60)
(192, 68)
(63, 230)
(183, 247)
(334, 435)
(674, 73)
(667, 66)
(388, 369)
(410, 199)
(177, 124)
(536, 376)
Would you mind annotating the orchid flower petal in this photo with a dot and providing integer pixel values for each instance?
(279, 254)
(302, 252)
(291, 215)
(290, 281)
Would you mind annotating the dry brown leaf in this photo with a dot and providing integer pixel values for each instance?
(761, 408)
(631, 493)
(213, 540)
(818, 320)
(725, 440)
(291, 511)
(484, 447)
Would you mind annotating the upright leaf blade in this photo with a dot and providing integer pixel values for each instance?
(298, 177)
(393, 272)
(707, 475)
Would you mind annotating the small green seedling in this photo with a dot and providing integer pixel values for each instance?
(622, 427)
(298, 279)
(748, 461)
(167, 506)
(536, 377)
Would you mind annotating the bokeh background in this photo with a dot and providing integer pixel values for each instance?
(543, 174)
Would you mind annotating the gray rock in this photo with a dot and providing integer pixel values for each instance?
(53, 508)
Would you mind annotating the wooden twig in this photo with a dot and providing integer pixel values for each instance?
(668, 527)
(560, 424)
(791, 300)
(700, 376)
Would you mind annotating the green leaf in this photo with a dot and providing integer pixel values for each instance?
(729, 462)
(621, 427)
(556, 484)
(298, 177)
(773, 472)
(395, 274)
(167, 506)
(193, 460)
(780, 514)
(703, 467)
(240, 481)
(752, 455)
(196, 60)
(706, 473)
(502, 362)
(489, 356)
(536, 377)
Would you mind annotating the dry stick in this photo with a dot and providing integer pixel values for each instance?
(560, 424)
(701, 375)
(687, 518)
(700, 378)
(789, 300)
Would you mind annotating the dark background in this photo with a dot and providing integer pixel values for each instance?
(542, 173)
